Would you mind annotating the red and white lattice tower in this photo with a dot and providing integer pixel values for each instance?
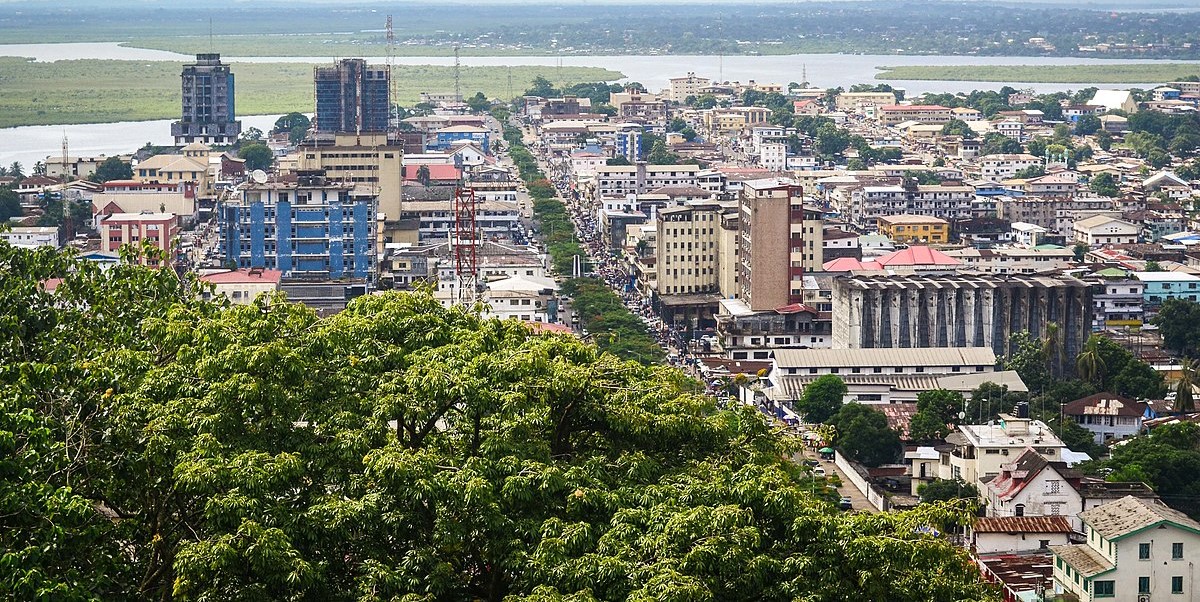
(464, 243)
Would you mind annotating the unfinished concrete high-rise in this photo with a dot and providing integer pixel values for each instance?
(352, 97)
(959, 310)
(208, 108)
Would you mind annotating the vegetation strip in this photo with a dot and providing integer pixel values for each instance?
(1116, 73)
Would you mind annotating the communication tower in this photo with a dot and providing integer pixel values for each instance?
(457, 82)
(466, 265)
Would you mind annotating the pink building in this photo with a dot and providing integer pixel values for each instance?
(120, 229)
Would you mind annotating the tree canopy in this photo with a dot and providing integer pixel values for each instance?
(257, 156)
(112, 168)
(822, 398)
(863, 435)
(158, 446)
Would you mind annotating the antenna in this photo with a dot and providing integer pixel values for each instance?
(210, 35)
(457, 88)
(510, 94)
(804, 74)
(391, 63)
(66, 170)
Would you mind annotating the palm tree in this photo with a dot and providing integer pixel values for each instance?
(1184, 401)
(1052, 349)
(423, 175)
(1090, 363)
(641, 247)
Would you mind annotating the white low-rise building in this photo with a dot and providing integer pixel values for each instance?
(1135, 550)
(31, 237)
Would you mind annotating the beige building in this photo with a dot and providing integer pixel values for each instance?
(189, 168)
(683, 87)
(366, 159)
(688, 253)
(855, 101)
(894, 114)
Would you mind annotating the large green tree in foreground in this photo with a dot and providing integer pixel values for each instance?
(158, 447)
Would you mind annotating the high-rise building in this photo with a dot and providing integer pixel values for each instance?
(208, 110)
(352, 97)
(777, 236)
(309, 229)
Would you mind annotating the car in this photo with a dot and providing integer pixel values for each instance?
(811, 463)
(845, 503)
(819, 471)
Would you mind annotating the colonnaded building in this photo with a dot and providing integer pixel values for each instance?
(889, 311)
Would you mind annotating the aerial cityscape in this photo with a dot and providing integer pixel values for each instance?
(829, 301)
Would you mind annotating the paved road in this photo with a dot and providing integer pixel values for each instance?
(847, 488)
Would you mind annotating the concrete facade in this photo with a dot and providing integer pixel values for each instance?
(882, 311)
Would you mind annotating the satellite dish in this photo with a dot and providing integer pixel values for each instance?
(259, 176)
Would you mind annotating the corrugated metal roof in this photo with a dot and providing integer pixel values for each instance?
(1083, 559)
(1130, 514)
(891, 357)
(1022, 524)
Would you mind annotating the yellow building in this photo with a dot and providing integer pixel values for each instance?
(915, 229)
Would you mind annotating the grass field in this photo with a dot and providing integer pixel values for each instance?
(1116, 73)
(103, 91)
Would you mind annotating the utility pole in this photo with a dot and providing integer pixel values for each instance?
(457, 75)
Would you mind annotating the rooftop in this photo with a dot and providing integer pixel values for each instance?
(243, 276)
(1083, 559)
(1011, 432)
(1022, 524)
(1130, 514)
(1104, 404)
(869, 358)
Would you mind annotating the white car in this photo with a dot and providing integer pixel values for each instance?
(819, 471)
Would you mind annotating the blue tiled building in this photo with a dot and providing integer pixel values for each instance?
(310, 229)
(446, 138)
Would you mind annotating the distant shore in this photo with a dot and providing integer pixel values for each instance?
(1149, 73)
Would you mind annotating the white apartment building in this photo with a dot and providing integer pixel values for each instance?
(1005, 166)
(32, 237)
(945, 202)
(622, 180)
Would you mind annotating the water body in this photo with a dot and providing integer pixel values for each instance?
(823, 70)
(34, 143)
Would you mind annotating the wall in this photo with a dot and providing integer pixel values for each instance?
(874, 496)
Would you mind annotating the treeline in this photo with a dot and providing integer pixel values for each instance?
(614, 328)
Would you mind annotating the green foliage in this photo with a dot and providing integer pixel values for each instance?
(295, 124)
(478, 103)
(113, 168)
(947, 490)
(157, 446)
(1122, 373)
(1028, 358)
(1104, 184)
(822, 398)
(995, 143)
(620, 160)
(10, 204)
(958, 127)
(1178, 321)
(1088, 125)
(864, 435)
(1033, 171)
(1168, 460)
(257, 156)
(616, 330)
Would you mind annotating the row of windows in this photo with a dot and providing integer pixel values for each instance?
(878, 370)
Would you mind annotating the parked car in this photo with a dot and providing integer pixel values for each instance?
(845, 503)
(812, 463)
(819, 471)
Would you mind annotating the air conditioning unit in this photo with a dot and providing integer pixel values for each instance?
(1143, 597)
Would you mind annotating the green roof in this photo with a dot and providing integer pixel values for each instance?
(1048, 247)
(1113, 273)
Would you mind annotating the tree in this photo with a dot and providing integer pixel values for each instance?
(1088, 125)
(618, 160)
(864, 435)
(856, 164)
(250, 136)
(257, 156)
(1178, 321)
(995, 143)
(295, 124)
(479, 103)
(112, 168)
(399, 449)
(831, 140)
(1052, 350)
(822, 398)
(958, 127)
(1033, 171)
(39, 168)
(1028, 358)
(946, 490)
(15, 171)
(1104, 184)
(925, 427)
(10, 204)
(1089, 364)
(1168, 460)
(688, 134)
(1104, 140)
(543, 88)
(423, 175)
(661, 155)
(1080, 249)
(1185, 387)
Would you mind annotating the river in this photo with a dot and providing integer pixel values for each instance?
(28, 144)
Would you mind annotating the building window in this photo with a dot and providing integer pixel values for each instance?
(1020, 508)
(1143, 551)
(1177, 585)
(1177, 551)
(1104, 589)
(1143, 585)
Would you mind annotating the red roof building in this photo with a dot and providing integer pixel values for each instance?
(438, 174)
